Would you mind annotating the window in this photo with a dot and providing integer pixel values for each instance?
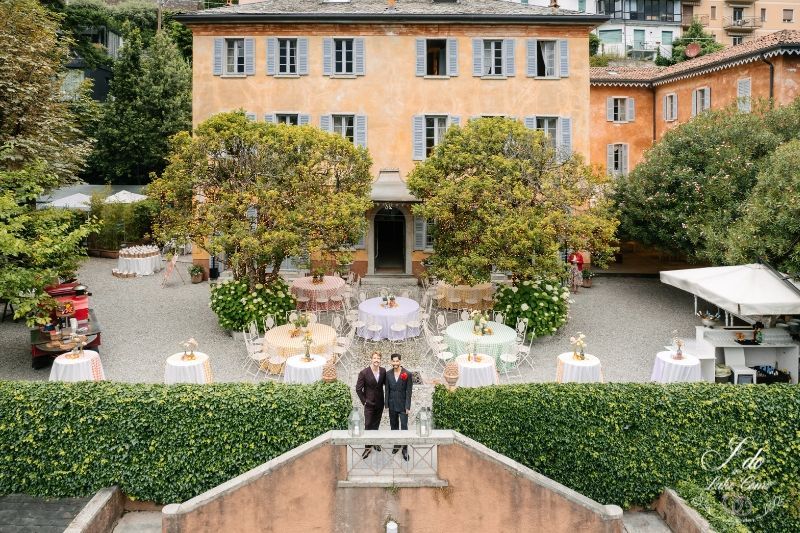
(617, 159)
(582, 6)
(293, 119)
(435, 128)
(738, 13)
(343, 56)
(493, 57)
(738, 39)
(545, 59)
(743, 94)
(666, 38)
(611, 36)
(344, 125)
(436, 57)
(763, 14)
(788, 15)
(670, 107)
(549, 126)
(234, 56)
(713, 12)
(287, 56)
(429, 235)
(701, 100)
(619, 109)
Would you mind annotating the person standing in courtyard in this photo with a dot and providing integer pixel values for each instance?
(370, 390)
(575, 260)
(398, 397)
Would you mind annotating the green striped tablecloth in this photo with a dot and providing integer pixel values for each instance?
(460, 338)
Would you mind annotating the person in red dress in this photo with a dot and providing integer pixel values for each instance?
(575, 261)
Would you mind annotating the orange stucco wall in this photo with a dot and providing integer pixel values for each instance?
(638, 134)
(390, 94)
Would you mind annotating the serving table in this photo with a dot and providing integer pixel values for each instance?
(87, 367)
(180, 370)
(777, 350)
(44, 349)
(571, 370)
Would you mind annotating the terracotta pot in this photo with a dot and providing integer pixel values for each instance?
(451, 373)
(197, 278)
(587, 283)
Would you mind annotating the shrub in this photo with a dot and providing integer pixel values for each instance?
(237, 306)
(719, 517)
(544, 303)
(121, 223)
(157, 442)
(622, 443)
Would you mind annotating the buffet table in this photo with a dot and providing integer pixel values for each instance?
(375, 311)
(87, 367)
(180, 370)
(44, 350)
(777, 350)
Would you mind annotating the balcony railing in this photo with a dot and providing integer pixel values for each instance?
(702, 19)
(637, 50)
(741, 24)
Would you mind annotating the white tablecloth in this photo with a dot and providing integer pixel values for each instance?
(371, 311)
(459, 337)
(85, 368)
(299, 371)
(141, 266)
(476, 373)
(197, 370)
(669, 370)
(572, 370)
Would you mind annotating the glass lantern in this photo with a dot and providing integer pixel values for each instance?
(424, 422)
(354, 425)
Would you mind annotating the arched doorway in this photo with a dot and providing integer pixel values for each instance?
(390, 241)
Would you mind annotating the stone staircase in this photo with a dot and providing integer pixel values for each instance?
(389, 280)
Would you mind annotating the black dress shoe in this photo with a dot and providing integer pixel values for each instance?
(378, 448)
(366, 453)
(405, 454)
(395, 450)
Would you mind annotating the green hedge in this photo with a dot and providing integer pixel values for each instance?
(157, 442)
(719, 517)
(623, 443)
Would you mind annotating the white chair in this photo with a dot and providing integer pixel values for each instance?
(442, 357)
(362, 296)
(303, 302)
(405, 293)
(452, 298)
(253, 330)
(291, 316)
(734, 358)
(373, 331)
(499, 317)
(510, 366)
(269, 323)
(399, 330)
(522, 327)
(441, 322)
(312, 318)
(430, 335)
(336, 323)
(524, 354)
(464, 315)
(255, 357)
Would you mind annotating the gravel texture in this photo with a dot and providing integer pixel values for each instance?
(626, 322)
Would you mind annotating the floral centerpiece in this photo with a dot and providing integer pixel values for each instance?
(307, 341)
(480, 321)
(389, 300)
(578, 346)
(678, 343)
(188, 349)
(317, 277)
(300, 324)
(707, 318)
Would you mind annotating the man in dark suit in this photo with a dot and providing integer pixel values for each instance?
(398, 397)
(369, 388)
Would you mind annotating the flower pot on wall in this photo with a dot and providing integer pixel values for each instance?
(197, 278)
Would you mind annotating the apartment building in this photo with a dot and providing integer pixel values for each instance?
(634, 107)
(735, 22)
(393, 76)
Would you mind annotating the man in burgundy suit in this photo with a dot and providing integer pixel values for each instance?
(369, 388)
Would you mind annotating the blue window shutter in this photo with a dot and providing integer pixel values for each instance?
(610, 109)
(325, 123)
(694, 103)
(565, 124)
(675, 107)
(509, 60)
(530, 122)
(530, 58)
(358, 53)
(708, 98)
(455, 120)
(624, 156)
(361, 131)
(419, 233)
(249, 56)
(664, 102)
(420, 65)
(250, 116)
(272, 55)
(302, 56)
(631, 109)
(563, 57)
(270, 118)
(327, 56)
(219, 45)
(610, 159)
(418, 134)
(452, 57)
(477, 57)
(303, 119)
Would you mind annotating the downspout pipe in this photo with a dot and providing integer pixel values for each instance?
(655, 111)
(771, 80)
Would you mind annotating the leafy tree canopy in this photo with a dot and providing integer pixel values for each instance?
(260, 192)
(693, 34)
(500, 196)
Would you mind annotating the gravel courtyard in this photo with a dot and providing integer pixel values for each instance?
(626, 321)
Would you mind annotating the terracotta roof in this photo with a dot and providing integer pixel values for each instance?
(403, 10)
(780, 42)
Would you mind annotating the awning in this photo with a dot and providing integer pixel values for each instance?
(743, 290)
(73, 201)
(389, 187)
(125, 197)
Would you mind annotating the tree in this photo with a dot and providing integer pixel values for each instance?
(261, 193)
(769, 228)
(500, 196)
(694, 34)
(41, 147)
(150, 101)
(594, 44)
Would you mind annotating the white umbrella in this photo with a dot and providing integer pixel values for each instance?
(125, 197)
(741, 289)
(73, 201)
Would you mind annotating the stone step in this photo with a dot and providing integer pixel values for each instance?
(389, 280)
(139, 522)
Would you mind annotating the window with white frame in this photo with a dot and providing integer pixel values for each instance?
(701, 100)
(234, 56)
(619, 109)
(545, 59)
(493, 57)
(343, 62)
(287, 56)
(436, 57)
(548, 126)
(670, 107)
(344, 125)
(788, 15)
(292, 119)
(737, 39)
(435, 128)
(618, 159)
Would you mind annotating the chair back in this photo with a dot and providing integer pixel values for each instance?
(337, 322)
(292, 316)
(464, 315)
(734, 357)
(312, 318)
(405, 293)
(441, 321)
(362, 296)
(253, 330)
(522, 326)
(498, 317)
(269, 322)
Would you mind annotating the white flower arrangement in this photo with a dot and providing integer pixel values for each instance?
(578, 342)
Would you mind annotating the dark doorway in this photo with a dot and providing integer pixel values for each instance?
(390, 241)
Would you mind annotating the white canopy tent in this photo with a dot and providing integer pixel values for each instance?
(73, 201)
(125, 197)
(743, 290)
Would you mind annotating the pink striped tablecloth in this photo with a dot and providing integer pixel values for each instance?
(330, 286)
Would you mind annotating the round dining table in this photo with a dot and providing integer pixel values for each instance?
(472, 373)
(376, 311)
(571, 370)
(87, 367)
(460, 339)
(279, 340)
(666, 369)
(329, 286)
(469, 296)
(182, 370)
(298, 370)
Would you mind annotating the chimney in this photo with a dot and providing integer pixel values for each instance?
(392, 3)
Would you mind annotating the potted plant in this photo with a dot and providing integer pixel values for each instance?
(344, 260)
(587, 277)
(196, 273)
